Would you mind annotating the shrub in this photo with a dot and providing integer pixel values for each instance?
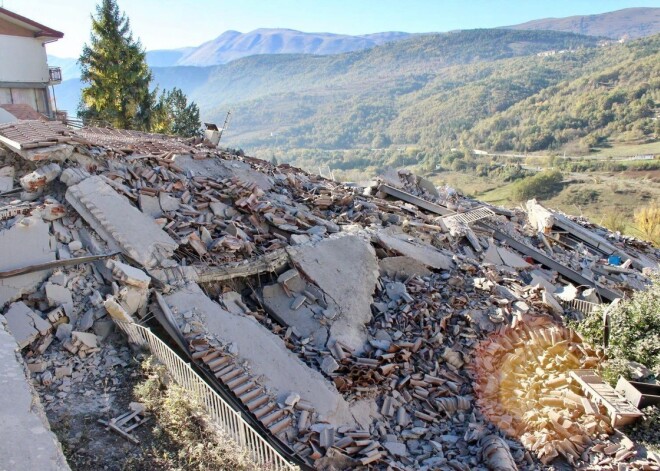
(634, 331)
(647, 220)
(543, 185)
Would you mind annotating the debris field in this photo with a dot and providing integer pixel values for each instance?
(393, 326)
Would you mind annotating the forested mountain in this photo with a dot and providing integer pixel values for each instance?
(627, 23)
(347, 99)
(497, 89)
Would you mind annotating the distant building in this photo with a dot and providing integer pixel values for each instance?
(24, 72)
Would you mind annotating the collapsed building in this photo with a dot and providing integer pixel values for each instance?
(397, 326)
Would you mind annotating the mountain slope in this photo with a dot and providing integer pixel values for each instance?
(232, 45)
(630, 22)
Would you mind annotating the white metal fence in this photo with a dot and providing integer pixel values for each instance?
(471, 216)
(580, 305)
(265, 456)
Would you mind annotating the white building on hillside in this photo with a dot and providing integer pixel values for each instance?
(24, 72)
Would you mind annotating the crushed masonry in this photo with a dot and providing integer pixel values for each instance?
(398, 326)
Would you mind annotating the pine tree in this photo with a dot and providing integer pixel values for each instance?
(173, 115)
(115, 69)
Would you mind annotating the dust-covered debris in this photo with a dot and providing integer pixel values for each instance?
(400, 326)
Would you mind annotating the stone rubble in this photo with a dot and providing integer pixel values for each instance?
(361, 328)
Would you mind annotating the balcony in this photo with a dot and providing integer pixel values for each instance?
(54, 75)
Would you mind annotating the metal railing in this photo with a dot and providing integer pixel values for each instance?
(230, 421)
(54, 75)
(471, 216)
(580, 305)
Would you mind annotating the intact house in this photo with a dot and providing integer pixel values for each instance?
(24, 72)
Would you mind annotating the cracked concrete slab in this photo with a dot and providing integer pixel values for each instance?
(27, 242)
(120, 224)
(394, 239)
(26, 441)
(345, 268)
(267, 356)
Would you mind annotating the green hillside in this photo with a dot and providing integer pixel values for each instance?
(482, 88)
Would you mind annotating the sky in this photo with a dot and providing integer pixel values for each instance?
(169, 24)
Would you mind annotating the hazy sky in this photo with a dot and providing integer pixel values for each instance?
(168, 24)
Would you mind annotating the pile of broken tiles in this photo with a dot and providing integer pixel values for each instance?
(361, 329)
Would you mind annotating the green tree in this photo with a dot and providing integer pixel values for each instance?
(114, 68)
(173, 115)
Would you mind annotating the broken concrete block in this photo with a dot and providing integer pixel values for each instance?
(491, 255)
(511, 259)
(59, 296)
(26, 243)
(543, 283)
(116, 311)
(128, 275)
(394, 239)
(63, 332)
(52, 211)
(87, 339)
(329, 365)
(168, 202)
(119, 223)
(63, 371)
(566, 293)
(150, 205)
(38, 179)
(550, 301)
(73, 175)
(75, 245)
(7, 175)
(21, 324)
(292, 399)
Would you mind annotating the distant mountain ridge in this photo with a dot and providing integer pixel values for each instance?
(232, 45)
(629, 22)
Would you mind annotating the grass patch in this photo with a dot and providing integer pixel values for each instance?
(183, 438)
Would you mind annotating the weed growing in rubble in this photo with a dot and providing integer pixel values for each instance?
(184, 439)
(634, 332)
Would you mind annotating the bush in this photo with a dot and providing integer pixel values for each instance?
(634, 331)
(543, 185)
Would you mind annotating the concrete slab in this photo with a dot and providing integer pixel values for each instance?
(277, 301)
(394, 239)
(21, 324)
(218, 168)
(492, 255)
(511, 259)
(26, 441)
(119, 223)
(402, 266)
(345, 268)
(26, 243)
(268, 358)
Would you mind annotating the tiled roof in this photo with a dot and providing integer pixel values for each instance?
(35, 133)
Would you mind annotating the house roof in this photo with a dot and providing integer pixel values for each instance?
(39, 30)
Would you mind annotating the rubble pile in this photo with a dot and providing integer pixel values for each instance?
(399, 326)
